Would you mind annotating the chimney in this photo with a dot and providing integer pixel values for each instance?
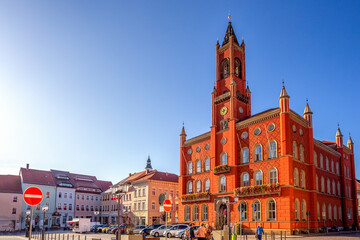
(27, 166)
(129, 174)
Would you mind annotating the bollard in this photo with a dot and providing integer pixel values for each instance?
(265, 236)
(73, 237)
(285, 235)
(79, 237)
(281, 235)
(68, 237)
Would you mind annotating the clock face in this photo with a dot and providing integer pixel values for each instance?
(223, 111)
(241, 110)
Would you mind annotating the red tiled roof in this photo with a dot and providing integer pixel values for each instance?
(34, 176)
(105, 185)
(161, 176)
(10, 184)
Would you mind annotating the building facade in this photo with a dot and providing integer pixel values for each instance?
(11, 196)
(109, 208)
(267, 165)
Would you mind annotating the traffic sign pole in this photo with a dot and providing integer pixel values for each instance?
(31, 218)
(166, 216)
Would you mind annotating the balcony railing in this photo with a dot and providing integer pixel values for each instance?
(221, 169)
(194, 197)
(257, 190)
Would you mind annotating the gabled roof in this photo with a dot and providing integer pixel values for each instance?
(10, 184)
(105, 184)
(61, 177)
(40, 177)
(161, 176)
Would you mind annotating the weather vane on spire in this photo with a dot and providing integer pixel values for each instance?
(229, 17)
(283, 82)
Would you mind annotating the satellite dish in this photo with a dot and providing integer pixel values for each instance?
(161, 198)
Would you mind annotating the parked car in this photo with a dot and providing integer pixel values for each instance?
(122, 229)
(175, 228)
(94, 228)
(110, 229)
(137, 229)
(148, 229)
(102, 227)
(181, 233)
(159, 231)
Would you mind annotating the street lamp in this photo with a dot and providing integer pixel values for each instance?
(27, 223)
(96, 213)
(44, 209)
(119, 191)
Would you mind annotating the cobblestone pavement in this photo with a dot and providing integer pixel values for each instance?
(90, 236)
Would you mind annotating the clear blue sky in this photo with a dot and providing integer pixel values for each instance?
(95, 86)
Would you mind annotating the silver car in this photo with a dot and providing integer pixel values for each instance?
(159, 231)
(172, 231)
(181, 233)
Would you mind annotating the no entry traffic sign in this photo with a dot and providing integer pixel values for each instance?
(33, 196)
(167, 205)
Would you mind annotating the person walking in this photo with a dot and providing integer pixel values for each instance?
(191, 232)
(259, 232)
(208, 232)
(201, 232)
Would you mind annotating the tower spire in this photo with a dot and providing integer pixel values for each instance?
(148, 164)
(229, 32)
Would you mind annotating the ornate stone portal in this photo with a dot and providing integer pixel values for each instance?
(222, 210)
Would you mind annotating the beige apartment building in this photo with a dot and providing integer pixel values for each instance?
(141, 203)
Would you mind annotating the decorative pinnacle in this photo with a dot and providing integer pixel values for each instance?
(283, 82)
(307, 101)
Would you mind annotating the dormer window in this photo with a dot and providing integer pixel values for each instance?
(224, 68)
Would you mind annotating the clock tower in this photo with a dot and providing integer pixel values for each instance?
(231, 98)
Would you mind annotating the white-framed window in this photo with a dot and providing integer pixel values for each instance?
(329, 211)
(222, 187)
(302, 179)
(256, 209)
(245, 180)
(303, 209)
(333, 188)
(245, 155)
(328, 186)
(297, 209)
(323, 214)
(271, 210)
(337, 168)
(207, 185)
(322, 184)
(190, 187)
(187, 213)
(198, 166)
(196, 213)
(332, 165)
(273, 176)
(198, 186)
(272, 149)
(207, 164)
(258, 153)
(315, 159)
(204, 212)
(258, 178)
(224, 158)
(296, 177)
(295, 150)
(153, 206)
(321, 161)
(302, 158)
(190, 168)
(243, 211)
(327, 164)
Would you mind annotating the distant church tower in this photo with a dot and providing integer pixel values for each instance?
(148, 164)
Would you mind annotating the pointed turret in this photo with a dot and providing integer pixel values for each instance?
(248, 89)
(182, 136)
(339, 138)
(308, 113)
(183, 133)
(350, 143)
(284, 100)
(148, 164)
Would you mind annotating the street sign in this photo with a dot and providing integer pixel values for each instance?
(167, 205)
(33, 196)
(161, 198)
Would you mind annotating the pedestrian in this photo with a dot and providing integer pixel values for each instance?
(191, 232)
(201, 232)
(187, 234)
(208, 232)
(259, 232)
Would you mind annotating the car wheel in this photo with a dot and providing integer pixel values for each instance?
(156, 234)
(169, 235)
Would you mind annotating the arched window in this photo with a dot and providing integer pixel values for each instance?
(297, 209)
(302, 158)
(295, 150)
(224, 68)
(245, 155)
(204, 212)
(245, 180)
(256, 209)
(302, 179)
(272, 149)
(338, 188)
(323, 213)
(296, 177)
(207, 185)
(337, 168)
(196, 213)
(322, 184)
(198, 186)
(224, 158)
(332, 166)
(187, 213)
(190, 187)
(273, 176)
(333, 188)
(329, 211)
(335, 213)
(318, 211)
(198, 166)
(315, 159)
(303, 209)
(327, 164)
(258, 177)
(222, 187)
(258, 153)
(317, 183)
(190, 168)
(340, 213)
(321, 161)
(207, 164)
(238, 68)
(328, 186)
(243, 211)
(271, 210)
